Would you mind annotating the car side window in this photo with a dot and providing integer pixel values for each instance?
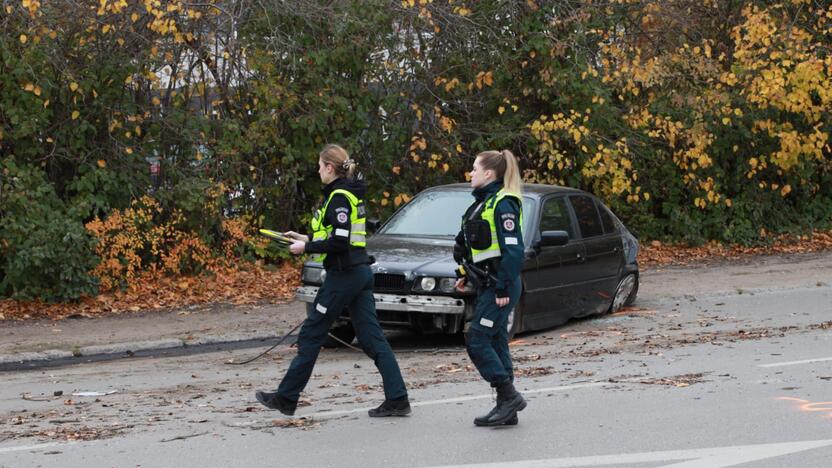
(606, 219)
(588, 219)
(555, 216)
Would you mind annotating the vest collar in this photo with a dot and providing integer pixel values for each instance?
(487, 191)
(330, 187)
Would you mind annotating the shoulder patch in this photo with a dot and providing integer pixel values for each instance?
(342, 218)
(508, 224)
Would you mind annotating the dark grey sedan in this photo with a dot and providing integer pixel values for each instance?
(580, 260)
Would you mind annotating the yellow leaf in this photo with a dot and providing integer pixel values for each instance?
(488, 78)
(156, 101)
(458, 148)
(75, 115)
(785, 190)
(23, 38)
(501, 109)
(73, 86)
(46, 103)
(397, 170)
(29, 87)
(128, 150)
(102, 163)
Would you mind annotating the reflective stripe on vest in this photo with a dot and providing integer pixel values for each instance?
(358, 222)
(487, 214)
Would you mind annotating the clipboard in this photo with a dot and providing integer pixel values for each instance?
(277, 237)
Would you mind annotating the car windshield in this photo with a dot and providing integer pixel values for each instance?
(436, 213)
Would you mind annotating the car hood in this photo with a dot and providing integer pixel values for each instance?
(412, 256)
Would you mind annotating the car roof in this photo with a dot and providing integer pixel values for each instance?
(533, 190)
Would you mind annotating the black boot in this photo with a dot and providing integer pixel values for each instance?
(272, 400)
(509, 402)
(398, 407)
(483, 420)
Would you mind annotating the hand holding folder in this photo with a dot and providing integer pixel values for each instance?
(278, 237)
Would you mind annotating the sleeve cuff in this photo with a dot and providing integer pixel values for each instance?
(501, 293)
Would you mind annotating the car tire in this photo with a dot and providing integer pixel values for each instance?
(515, 318)
(625, 293)
(344, 332)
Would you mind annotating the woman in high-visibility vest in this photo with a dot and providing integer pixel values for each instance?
(339, 240)
(491, 239)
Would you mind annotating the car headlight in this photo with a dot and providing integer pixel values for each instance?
(447, 285)
(313, 275)
(427, 283)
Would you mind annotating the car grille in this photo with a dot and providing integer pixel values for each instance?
(388, 282)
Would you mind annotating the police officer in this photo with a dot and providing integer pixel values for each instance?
(490, 244)
(339, 240)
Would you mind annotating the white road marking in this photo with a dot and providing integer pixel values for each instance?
(30, 447)
(794, 363)
(698, 458)
(324, 414)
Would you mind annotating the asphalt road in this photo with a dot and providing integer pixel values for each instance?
(723, 365)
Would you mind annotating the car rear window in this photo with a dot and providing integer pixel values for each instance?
(555, 217)
(606, 219)
(588, 219)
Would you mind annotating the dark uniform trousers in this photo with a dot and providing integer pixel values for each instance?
(352, 289)
(487, 338)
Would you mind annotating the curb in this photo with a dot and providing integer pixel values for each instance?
(17, 361)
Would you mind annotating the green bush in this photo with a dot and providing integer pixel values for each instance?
(46, 253)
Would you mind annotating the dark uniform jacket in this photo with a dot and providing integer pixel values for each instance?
(339, 254)
(507, 218)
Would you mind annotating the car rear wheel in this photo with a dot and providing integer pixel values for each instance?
(625, 294)
(514, 319)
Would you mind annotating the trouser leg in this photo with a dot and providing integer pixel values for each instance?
(482, 342)
(375, 345)
(500, 341)
(326, 308)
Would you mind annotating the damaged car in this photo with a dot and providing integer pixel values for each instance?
(580, 260)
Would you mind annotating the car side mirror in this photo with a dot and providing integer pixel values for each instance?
(553, 238)
(373, 225)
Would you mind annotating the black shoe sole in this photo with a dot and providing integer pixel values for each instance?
(261, 397)
(511, 422)
(394, 413)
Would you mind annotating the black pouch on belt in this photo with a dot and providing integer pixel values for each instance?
(478, 234)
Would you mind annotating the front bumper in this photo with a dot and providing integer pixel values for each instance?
(400, 303)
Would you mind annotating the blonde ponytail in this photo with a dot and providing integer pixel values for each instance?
(505, 166)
